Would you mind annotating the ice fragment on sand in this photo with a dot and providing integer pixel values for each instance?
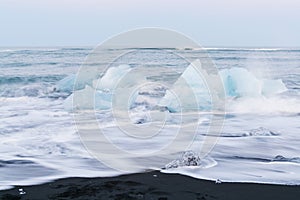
(21, 191)
(188, 158)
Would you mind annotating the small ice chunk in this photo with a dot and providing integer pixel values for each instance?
(21, 191)
(280, 158)
(188, 158)
(218, 181)
(261, 131)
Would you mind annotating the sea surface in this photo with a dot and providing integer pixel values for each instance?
(259, 140)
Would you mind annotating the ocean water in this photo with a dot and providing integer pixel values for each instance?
(39, 135)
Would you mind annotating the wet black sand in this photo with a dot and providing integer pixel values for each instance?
(151, 185)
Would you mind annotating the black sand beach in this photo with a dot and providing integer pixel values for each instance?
(151, 185)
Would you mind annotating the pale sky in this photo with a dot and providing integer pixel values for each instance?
(260, 23)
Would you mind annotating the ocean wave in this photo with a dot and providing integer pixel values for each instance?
(278, 158)
(260, 131)
(4, 163)
(33, 90)
(75, 49)
(236, 49)
(24, 80)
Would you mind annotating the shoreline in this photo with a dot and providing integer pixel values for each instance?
(149, 185)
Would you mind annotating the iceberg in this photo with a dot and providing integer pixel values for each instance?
(97, 93)
(88, 98)
(189, 92)
(271, 87)
(79, 81)
(237, 82)
(111, 77)
(66, 84)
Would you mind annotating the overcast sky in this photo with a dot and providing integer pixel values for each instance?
(211, 22)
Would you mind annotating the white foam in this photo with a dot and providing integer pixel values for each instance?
(264, 105)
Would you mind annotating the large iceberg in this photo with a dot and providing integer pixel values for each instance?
(237, 82)
(95, 93)
(188, 92)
